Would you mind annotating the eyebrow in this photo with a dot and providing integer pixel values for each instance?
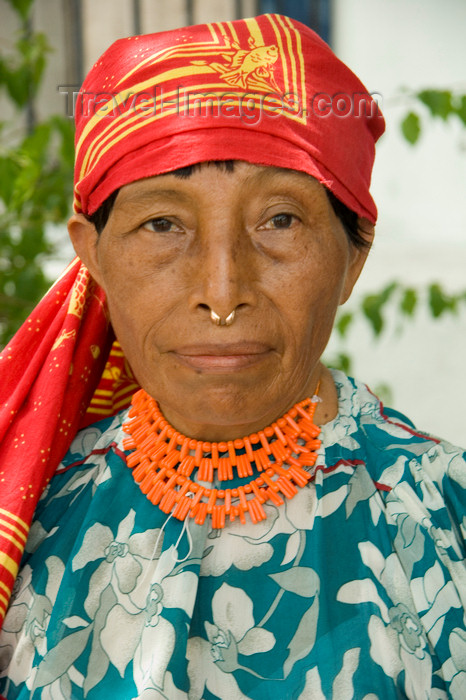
(149, 195)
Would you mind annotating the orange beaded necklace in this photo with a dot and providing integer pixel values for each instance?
(163, 460)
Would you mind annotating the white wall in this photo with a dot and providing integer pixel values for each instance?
(421, 234)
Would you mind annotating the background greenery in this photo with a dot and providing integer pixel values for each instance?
(36, 173)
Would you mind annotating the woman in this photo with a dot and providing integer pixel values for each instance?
(278, 533)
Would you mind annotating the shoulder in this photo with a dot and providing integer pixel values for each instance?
(388, 441)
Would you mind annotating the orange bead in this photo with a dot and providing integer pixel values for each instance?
(214, 455)
(185, 486)
(255, 489)
(198, 496)
(134, 458)
(146, 483)
(286, 487)
(212, 499)
(264, 442)
(162, 462)
(279, 433)
(129, 444)
(141, 470)
(170, 483)
(201, 514)
(187, 465)
(242, 498)
(300, 477)
(274, 497)
(293, 424)
(168, 501)
(155, 493)
(198, 455)
(170, 460)
(248, 448)
(182, 508)
(232, 453)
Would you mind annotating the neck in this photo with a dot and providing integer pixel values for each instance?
(326, 410)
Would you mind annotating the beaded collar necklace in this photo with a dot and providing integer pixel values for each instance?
(162, 460)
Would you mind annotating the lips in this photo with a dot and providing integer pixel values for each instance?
(226, 357)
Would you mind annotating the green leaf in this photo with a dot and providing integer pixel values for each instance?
(439, 102)
(373, 304)
(17, 83)
(343, 323)
(411, 127)
(408, 302)
(460, 109)
(343, 362)
(384, 392)
(9, 170)
(22, 7)
(440, 302)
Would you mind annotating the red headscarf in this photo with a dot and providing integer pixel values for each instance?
(266, 90)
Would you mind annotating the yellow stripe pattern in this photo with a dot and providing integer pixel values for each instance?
(13, 529)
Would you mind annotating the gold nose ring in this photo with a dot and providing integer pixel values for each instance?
(215, 318)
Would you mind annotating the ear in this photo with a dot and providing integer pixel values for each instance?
(358, 257)
(84, 238)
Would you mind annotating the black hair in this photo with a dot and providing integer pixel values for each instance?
(347, 216)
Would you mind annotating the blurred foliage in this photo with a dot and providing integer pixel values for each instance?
(394, 301)
(36, 170)
(397, 299)
(441, 104)
(405, 301)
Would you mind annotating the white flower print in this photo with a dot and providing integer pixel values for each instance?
(26, 622)
(249, 546)
(243, 546)
(342, 688)
(124, 558)
(454, 669)
(234, 625)
(434, 597)
(398, 639)
(233, 632)
(409, 630)
(149, 637)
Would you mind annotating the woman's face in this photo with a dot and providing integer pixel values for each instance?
(262, 241)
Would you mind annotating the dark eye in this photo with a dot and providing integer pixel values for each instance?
(282, 220)
(159, 225)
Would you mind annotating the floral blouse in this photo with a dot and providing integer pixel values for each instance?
(353, 589)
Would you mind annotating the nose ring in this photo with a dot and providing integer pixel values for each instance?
(215, 318)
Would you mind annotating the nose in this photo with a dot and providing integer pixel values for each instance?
(223, 275)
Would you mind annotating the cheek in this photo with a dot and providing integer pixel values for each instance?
(312, 300)
(138, 298)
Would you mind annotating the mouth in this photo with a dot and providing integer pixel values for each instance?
(222, 358)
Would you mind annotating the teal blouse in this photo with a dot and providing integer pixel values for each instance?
(355, 588)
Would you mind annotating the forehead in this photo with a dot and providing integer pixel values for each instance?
(248, 178)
